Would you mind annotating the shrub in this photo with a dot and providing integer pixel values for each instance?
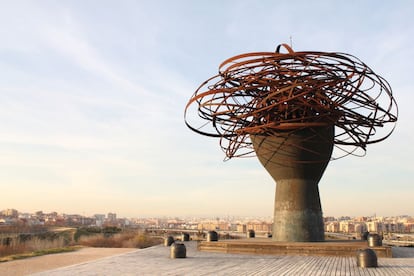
(16, 243)
(19, 243)
(126, 240)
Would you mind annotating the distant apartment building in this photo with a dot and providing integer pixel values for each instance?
(255, 226)
(176, 223)
(241, 228)
(352, 227)
(409, 227)
(394, 227)
(375, 226)
(213, 225)
(99, 219)
(10, 213)
(346, 226)
(386, 226)
(332, 226)
(146, 222)
(360, 227)
(111, 217)
(361, 219)
(259, 227)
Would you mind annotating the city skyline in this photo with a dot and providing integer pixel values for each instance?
(92, 96)
(17, 214)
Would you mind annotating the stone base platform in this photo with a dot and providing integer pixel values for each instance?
(263, 246)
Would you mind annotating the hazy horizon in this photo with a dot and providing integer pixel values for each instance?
(92, 95)
(199, 216)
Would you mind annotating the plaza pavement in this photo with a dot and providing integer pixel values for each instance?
(156, 261)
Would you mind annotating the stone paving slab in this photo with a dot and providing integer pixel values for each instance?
(156, 261)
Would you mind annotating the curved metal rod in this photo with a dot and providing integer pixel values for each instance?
(267, 93)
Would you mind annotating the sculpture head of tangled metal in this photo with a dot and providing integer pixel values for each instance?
(268, 93)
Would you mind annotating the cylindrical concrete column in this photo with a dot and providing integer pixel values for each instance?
(178, 250)
(168, 240)
(251, 234)
(367, 258)
(296, 161)
(374, 240)
(298, 213)
(212, 236)
(185, 237)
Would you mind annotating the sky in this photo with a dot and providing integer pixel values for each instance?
(92, 96)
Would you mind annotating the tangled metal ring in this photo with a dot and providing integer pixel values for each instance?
(267, 93)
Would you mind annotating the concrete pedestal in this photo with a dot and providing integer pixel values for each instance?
(298, 213)
(262, 246)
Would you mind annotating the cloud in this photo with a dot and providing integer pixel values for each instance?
(78, 50)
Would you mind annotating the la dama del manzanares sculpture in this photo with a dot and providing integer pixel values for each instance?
(291, 110)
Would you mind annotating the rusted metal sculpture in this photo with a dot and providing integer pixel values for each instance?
(290, 110)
